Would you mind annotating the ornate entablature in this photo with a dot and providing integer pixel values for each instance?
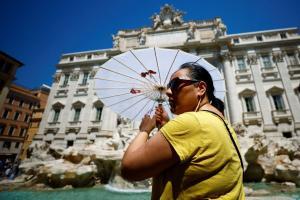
(169, 29)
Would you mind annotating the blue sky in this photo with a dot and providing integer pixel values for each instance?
(38, 32)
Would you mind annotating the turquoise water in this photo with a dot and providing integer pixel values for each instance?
(103, 194)
(72, 194)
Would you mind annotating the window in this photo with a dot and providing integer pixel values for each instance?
(10, 100)
(292, 58)
(21, 103)
(5, 114)
(249, 104)
(85, 77)
(17, 145)
(30, 105)
(259, 38)
(283, 35)
(241, 63)
(278, 102)
(2, 128)
(71, 58)
(70, 143)
(16, 117)
(89, 57)
(236, 40)
(56, 115)
(11, 131)
(22, 132)
(77, 114)
(66, 80)
(266, 61)
(6, 144)
(98, 113)
(26, 118)
(287, 134)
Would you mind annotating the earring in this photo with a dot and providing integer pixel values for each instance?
(198, 105)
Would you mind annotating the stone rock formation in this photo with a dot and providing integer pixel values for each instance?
(269, 159)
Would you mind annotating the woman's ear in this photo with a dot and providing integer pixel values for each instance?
(201, 86)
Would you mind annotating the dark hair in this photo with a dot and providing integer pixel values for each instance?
(198, 72)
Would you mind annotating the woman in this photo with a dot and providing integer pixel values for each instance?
(193, 156)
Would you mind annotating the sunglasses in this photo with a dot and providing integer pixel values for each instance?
(176, 82)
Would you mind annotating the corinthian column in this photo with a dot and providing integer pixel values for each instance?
(231, 94)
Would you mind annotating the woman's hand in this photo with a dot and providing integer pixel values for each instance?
(148, 124)
(161, 115)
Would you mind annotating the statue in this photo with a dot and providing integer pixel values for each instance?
(191, 31)
(156, 21)
(178, 18)
(142, 37)
(220, 28)
(167, 17)
(116, 41)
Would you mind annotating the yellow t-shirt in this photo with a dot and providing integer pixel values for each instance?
(210, 167)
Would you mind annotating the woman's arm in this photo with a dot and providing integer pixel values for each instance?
(147, 158)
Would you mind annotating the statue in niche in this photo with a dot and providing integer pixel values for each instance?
(191, 31)
(142, 37)
(116, 41)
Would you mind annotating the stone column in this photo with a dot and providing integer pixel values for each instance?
(231, 95)
(281, 63)
(261, 93)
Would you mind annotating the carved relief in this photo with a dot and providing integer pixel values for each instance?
(252, 60)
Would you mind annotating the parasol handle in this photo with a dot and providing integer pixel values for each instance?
(158, 124)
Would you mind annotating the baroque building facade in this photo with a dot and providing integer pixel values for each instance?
(261, 71)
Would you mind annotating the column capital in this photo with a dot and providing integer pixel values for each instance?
(277, 56)
(226, 56)
(252, 59)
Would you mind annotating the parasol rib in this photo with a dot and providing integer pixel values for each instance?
(128, 98)
(157, 65)
(171, 67)
(115, 88)
(131, 69)
(132, 105)
(143, 65)
(141, 110)
(103, 79)
(122, 74)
